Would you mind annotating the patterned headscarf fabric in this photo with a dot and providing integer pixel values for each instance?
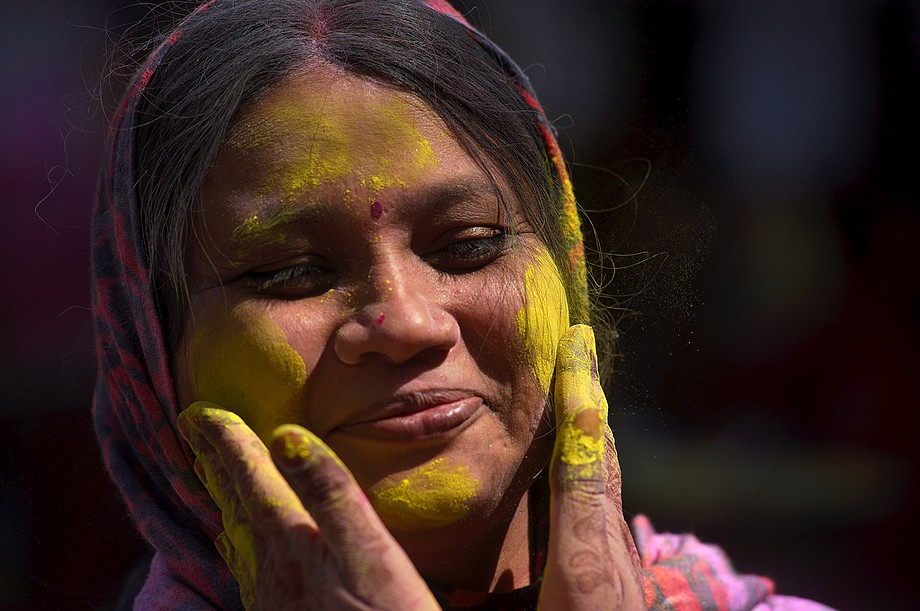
(135, 406)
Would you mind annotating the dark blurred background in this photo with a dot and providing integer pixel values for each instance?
(750, 167)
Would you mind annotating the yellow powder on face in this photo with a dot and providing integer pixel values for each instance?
(259, 229)
(321, 141)
(376, 183)
(544, 317)
(433, 495)
(326, 158)
(247, 227)
(244, 362)
(397, 135)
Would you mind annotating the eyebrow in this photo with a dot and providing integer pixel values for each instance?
(440, 195)
(265, 225)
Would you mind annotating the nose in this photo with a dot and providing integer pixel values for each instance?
(400, 322)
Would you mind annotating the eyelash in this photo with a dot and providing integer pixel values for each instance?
(460, 257)
(471, 254)
(294, 279)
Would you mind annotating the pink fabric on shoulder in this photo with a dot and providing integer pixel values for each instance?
(790, 603)
(684, 574)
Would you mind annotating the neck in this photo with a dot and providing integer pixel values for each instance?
(492, 554)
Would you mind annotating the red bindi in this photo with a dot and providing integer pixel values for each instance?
(381, 319)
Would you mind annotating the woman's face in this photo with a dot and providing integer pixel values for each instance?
(353, 271)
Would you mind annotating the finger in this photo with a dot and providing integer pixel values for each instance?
(588, 564)
(576, 574)
(244, 460)
(258, 506)
(370, 559)
(330, 495)
(581, 414)
(210, 470)
(239, 570)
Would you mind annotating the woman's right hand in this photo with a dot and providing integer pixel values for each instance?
(310, 540)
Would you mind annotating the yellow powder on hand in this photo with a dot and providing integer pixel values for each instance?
(296, 447)
(581, 410)
(578, 446)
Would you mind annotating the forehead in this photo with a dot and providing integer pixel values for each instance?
(325, 126)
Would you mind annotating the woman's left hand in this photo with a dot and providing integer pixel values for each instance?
(592, 561)
(333, 554)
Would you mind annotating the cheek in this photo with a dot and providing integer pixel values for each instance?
(544, 317)
(245, 364)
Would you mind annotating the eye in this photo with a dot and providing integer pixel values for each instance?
(470, 249)
(303, 279)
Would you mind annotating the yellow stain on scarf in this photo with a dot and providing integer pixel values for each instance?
(544, 317)
(245, 363)
(433, 495)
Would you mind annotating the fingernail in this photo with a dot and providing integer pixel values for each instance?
(581, 439)
(589, 423)
(291, 447)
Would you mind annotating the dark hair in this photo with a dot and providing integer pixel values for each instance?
(233, 52)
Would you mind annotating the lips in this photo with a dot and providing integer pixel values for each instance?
(417, 415)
